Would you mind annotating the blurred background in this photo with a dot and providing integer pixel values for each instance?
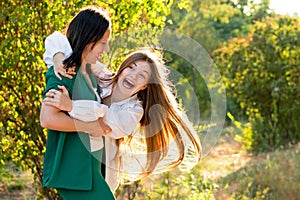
(255, 45)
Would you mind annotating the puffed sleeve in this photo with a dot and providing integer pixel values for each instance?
(102, 73)
(87, 110)
(124, 121)
(54, 43)
(99, 69)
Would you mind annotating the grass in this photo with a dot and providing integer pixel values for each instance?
(228, 172)
(15, 184)
(274, 175)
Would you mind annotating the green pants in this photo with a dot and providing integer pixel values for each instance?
(100, 189)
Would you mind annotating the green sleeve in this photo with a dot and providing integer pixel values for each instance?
(52, 82)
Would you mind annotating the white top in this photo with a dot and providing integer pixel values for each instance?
(54, 43)
(122, 117)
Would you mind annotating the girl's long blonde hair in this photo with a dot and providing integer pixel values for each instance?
(163, 120)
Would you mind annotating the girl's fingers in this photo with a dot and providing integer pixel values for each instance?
(65, 74)
(57, 75)
(49, 100)
(72, 72)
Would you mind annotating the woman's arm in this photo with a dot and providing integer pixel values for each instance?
(52, 118)
(121, 121)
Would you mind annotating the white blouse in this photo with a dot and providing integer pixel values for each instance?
(54, 43)
(122, 117)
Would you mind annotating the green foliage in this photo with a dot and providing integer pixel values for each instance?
(24, 26)
(245, 130)
(22, 138)
(261, 72)
(243, 13)
(136, 24)
(209, 23)
(171, 185)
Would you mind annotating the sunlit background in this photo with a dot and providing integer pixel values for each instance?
(283, 7)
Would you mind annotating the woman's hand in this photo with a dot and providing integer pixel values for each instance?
(98, 128)
(59, 67)
(59, 99)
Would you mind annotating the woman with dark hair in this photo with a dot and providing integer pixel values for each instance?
(68, 165)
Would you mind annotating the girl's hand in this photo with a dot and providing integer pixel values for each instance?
(59, 67)
(59, 99)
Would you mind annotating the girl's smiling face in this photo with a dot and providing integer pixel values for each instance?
(134, 78)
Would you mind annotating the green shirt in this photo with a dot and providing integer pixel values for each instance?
(68, 161)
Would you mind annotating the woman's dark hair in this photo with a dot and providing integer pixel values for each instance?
(88, 26)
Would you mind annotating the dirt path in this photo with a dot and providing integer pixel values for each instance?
(18, 188)
(225, 158)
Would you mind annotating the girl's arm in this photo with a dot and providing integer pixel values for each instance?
(55, 43)
(84, 110)
(123, 122)
(57, 49)
(87, 110)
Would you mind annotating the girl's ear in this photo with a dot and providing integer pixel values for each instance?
(144, 87)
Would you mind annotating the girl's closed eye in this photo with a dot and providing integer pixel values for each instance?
(142, 76)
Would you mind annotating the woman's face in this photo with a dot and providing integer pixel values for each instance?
(134, 78)
(91, 55)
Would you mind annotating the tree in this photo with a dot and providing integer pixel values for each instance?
(24, 26)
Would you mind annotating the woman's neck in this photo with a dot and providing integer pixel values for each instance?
(84, 71)
(83, 67)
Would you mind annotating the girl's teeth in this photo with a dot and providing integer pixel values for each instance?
(128, 83)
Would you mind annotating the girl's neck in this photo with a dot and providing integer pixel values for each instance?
(117, 95)
(112, 98)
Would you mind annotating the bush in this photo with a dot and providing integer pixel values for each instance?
(261, 72)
